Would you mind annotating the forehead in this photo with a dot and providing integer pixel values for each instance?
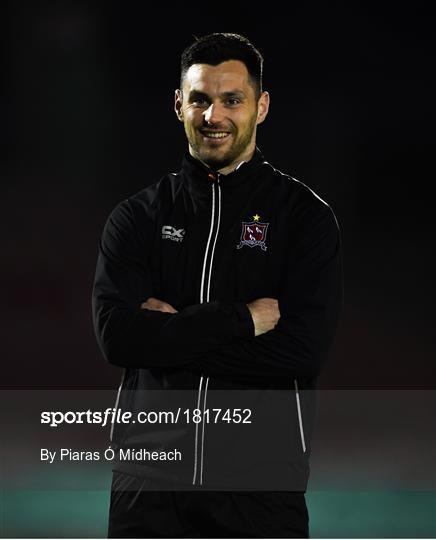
(227, 76)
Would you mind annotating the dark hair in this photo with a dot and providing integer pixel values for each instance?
(219, 47)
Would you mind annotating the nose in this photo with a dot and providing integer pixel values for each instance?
(213, 114)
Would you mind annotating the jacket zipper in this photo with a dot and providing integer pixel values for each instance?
(111, 436)
(206, 279)
(300, 417)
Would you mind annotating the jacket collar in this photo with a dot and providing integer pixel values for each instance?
(199, 177)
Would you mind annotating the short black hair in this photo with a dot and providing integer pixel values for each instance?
(220, 47)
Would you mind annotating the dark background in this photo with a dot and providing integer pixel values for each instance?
(87, 120)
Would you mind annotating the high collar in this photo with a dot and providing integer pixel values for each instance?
(199, 177)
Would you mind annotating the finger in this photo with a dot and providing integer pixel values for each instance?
(155, 303)
(167, 308)
(160, 306)
(149, 307)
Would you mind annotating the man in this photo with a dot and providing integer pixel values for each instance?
(223, 277)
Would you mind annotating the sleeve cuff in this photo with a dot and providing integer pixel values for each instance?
(244, 325)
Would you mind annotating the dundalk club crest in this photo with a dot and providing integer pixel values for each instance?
(253, 233)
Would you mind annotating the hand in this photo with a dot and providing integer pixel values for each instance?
(265, 313)
(153, 304)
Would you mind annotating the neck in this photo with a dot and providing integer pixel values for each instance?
(245, 156)
(233, 166)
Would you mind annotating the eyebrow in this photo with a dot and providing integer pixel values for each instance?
(195, 94)
(234, 93)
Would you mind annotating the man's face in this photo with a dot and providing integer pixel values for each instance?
(220, 112)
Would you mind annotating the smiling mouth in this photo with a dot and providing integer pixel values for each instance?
(215, 134)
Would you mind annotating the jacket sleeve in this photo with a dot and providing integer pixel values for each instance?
(310, 300)
(133, 337)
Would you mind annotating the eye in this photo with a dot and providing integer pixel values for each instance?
(233, 101)
(200, 102)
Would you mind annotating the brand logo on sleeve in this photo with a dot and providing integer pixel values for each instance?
(171, 233)
(253, 233)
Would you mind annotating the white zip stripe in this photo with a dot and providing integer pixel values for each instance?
(201, 301)
(196, 432)
(300, 419)
(207, 299)
(202, 433)
(207, 247)
(116, 403)
(214, 242)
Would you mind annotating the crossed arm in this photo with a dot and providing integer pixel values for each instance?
(264, 312)
(256, 341)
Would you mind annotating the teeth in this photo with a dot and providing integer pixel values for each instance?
(217, 135)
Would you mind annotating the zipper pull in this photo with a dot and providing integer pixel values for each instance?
(215, 177)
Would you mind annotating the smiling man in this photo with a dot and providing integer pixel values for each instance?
(225, 276)
(221, 107)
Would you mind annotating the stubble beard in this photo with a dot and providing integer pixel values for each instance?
(237, 148)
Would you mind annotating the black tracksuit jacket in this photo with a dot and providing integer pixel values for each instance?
(208, 244)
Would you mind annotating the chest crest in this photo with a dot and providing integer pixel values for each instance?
(254, 233)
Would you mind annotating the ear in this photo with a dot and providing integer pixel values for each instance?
(178, 102)
(262, 107)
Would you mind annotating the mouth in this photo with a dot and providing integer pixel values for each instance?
(215, 136)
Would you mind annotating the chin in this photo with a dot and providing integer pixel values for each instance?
(216, 163)
(213, 159)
